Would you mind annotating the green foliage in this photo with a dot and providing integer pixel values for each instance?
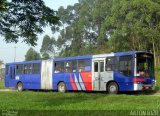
(157, 75)
(32, 55)
(25, 19)
(47, 49)
(134, 23)
(3, 5)
(85, 28)
(100, 26)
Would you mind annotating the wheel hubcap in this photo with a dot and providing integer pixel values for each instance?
(20, 87)
(113, 88)
(61, 88)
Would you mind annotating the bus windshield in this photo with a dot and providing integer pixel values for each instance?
(145, 65)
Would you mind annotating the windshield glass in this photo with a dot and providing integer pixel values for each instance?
(145, 65)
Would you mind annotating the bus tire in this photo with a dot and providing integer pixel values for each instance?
(61, 87)
(20, 86)
(113, 88)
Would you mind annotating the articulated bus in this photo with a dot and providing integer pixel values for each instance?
(113, 72)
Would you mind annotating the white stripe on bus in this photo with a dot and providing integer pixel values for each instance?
(81, 82)
(76, 81)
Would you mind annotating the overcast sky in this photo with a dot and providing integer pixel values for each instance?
(7, 51)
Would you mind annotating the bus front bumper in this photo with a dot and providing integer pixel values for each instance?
(139, 87)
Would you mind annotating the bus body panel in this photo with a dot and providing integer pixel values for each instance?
(74, 81)
(93, 80)
(31, 81)
(11, 76)
(125, 83)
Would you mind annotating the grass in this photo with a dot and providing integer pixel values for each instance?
(2, 84)
(79, 101)
(30, 100)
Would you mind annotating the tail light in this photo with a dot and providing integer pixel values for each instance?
(138, 80)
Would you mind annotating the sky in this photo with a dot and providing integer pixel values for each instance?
(7, 50)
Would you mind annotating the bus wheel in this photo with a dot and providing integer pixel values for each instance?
(20, 86)
(61, 87)
(112, 88)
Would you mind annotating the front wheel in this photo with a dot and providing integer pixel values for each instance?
(20, 86)
(112, 88)
(61, 87)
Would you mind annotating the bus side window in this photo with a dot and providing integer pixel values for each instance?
(80, 65)
(19, 69)
(28, 69)
(87, 67)
(84, 65)
(101, 66)
(96, 67)
(6, 70)
(111, 63)
(71, 66)
(36, 68)
(58, 67)
(10, 73)
(74, 66)
(25, 69)
(68, 66)
(125, 65)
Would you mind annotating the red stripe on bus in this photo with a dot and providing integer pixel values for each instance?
(87, 80)
(73, 83)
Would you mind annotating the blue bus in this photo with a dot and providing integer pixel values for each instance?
(113, 72)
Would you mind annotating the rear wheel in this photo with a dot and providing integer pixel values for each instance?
(20, 86)
(61, 87)
(112, 88)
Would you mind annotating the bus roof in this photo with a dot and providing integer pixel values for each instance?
(130, 53)
(83, 57)
(25, 62)
(73, 58)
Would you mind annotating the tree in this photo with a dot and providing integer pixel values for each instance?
(84, 21)
(1, 70)
(25, 19)
(32, 55)
(135, 24)
(100, 26)
(1, 62)
(47, 49)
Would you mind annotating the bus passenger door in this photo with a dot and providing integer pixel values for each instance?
(98, 75)
(12, 76)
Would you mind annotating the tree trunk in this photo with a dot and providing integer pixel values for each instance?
(154, 51)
